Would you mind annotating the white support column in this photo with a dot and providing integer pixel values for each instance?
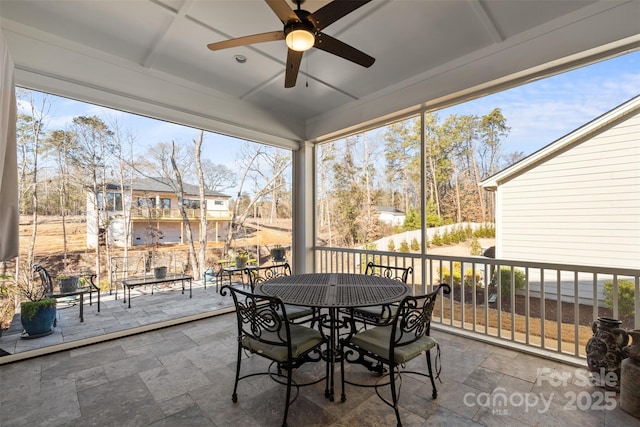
(304, 221)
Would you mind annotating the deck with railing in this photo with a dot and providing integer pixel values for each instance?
(138, 213)
(485, 304)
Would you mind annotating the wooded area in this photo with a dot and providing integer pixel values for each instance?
(59, 167)
(382, 167)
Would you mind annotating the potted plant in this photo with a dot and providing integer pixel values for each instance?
(155, 234)
(68, 283)
(241, 259)
(278, 254)
(38, 313)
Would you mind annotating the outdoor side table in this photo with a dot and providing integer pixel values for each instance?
(89, 288)
(150, 279)
(230, 271)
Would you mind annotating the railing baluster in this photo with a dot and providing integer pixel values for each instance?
(588, 282)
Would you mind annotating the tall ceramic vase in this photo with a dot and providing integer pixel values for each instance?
(630, 376)
(604, 352)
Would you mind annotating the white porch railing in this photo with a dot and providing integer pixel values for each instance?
(523, 321)
(174, 214)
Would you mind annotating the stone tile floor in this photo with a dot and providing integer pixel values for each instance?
(164, 305)
(183, 376)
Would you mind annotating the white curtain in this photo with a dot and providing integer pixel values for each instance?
(9, 219)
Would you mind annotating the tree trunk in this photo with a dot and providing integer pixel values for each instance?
(203, 209)
(185, 219)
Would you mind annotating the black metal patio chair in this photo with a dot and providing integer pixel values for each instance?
(264, 332)
(381, 314)
(88, 286)
(396, 344)
(258, 275)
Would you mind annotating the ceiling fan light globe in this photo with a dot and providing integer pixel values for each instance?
(300, 40)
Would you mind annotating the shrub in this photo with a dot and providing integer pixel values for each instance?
(370, 246)
(474, 247)
(486, 230)
(457, 235)
(415, 246)
(445, 276)
(391, 246)
(446, 239)
(437, 240)
(505, 281)
(626, 296)
(404, 247)
(28, 309)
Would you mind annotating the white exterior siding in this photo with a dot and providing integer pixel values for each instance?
(171, 232)
(581, 206)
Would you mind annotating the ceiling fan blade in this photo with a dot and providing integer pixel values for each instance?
(333, 11)
(294, 58)
(343, 50)
(242, 41)
(282, 9)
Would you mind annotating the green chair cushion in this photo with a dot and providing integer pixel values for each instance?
(296, 311)
(377, 312)
(377, 340)
(303, 339)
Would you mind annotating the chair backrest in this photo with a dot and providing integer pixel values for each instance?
(260, 320)
(45, 278)
(413, 318)
(258, 275)
(389, 271)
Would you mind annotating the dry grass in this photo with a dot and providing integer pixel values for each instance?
(502, 322)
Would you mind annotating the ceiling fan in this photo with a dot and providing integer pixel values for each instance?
(302, 31)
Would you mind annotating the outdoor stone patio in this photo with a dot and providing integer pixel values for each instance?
(183, 376)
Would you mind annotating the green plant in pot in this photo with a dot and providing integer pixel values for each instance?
(278, 254)
(38, 313)
(68, 283)
(241, 259)
(155, 234)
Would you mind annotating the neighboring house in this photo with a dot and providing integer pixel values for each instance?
(390, 215)
(577, 200)
(152, 203)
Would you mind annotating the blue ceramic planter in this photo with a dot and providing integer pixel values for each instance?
(40, 324)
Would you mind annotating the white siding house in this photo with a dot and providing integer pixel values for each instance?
(152, 203)
(576, 201)
(390, 215)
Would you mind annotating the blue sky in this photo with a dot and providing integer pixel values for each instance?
(538, 113)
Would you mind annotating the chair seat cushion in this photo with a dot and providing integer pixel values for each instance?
(378, 313)
(377, 340)
(303, 339)
(297, 311)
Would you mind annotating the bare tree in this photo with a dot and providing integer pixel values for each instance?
(91, 155)
(30, 133)
(62, 142)
(171, 163)
(185, 218)
(217, 177)
(124, 140)
(267, 184)
(203, 205)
